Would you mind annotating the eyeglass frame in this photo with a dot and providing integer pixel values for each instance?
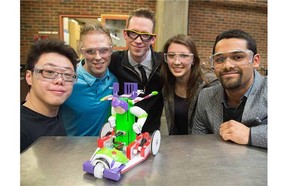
(96, 49)
(40, 70)
(231, 60)
(177, 57)
(139, 34)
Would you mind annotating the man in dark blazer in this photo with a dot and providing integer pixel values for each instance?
(126, 65)
(237, 108)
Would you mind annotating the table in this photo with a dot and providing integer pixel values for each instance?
(181, 160)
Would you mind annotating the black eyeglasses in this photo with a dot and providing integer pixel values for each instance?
(145, 37)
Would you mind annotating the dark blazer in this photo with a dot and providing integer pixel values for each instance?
(209, 111)
(124, 72)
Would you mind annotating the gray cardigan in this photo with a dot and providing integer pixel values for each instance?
(209, 112)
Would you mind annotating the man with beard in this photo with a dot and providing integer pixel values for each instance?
(237, 108)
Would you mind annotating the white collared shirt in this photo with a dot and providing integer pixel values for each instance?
(146, 63)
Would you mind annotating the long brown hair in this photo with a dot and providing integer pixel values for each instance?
(169, 79)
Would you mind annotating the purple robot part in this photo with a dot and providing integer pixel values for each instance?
(113, 174)
(120, 103)
(88, 167)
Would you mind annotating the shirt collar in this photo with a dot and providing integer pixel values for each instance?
(146, 62)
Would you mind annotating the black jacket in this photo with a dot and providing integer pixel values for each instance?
(123, 70)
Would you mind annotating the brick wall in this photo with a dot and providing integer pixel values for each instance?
(43, 15)
(206, 19)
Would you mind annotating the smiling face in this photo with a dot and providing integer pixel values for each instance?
(49, 93)
(233, 77)
(181, 66)
(96, 62)
(138, 48)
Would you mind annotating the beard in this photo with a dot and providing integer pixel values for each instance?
(231, 83)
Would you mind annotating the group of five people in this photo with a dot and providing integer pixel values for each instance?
(63, 100)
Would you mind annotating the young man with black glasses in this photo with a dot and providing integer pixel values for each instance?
(50, 74)
(140, 64)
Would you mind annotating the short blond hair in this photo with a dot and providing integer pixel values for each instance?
(90, 27)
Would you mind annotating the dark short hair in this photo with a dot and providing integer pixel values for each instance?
(236, 33)
(48, 46)
(143, 12)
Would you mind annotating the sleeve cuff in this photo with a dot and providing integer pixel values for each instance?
(249, 140)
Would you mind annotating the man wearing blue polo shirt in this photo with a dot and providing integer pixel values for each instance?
(83, 113)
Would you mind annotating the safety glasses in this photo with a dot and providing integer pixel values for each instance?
(235, 57)
(92, 52)
(145, 37)
(185, 58)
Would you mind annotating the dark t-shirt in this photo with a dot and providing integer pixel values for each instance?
(181, 116)
(234, 113)
(34, 125)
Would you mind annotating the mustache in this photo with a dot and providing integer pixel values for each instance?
(232, 69)
(229, 70)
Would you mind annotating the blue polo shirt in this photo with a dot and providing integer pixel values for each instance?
(83, 114)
